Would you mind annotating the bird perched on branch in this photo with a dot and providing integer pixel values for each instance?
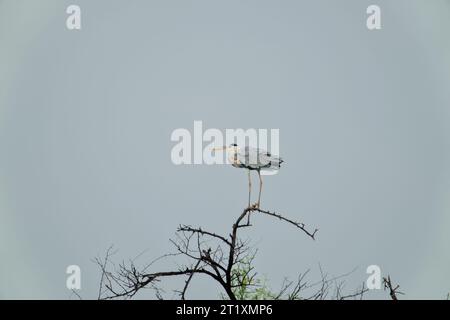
(251, 159)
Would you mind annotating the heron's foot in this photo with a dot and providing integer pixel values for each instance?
(255, 205)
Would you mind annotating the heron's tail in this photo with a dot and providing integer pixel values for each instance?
(275, 163)
(274, 167)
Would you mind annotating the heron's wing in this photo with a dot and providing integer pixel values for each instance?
(248, 157)
(269, 161)
(254, 158)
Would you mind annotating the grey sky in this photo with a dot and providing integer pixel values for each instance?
(86, 118)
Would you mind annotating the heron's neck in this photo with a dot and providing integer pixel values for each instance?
(232, 156)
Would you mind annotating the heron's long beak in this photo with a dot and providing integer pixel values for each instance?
(219, 148)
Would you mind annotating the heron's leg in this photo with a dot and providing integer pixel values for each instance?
(260, 189)
(249, 187)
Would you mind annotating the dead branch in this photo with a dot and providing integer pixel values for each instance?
(211, 254)
(393, 291)
(297, 224)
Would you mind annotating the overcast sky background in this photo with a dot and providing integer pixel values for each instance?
(86, 118)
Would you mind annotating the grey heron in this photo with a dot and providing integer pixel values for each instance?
(252, 159)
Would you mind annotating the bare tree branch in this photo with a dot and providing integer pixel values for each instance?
(297, 224)
(393, 291)
(203, 232)
(210, 253)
